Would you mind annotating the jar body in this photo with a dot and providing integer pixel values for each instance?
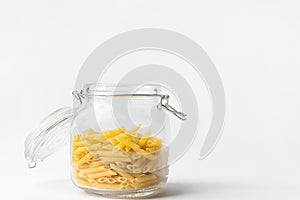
(120, 161)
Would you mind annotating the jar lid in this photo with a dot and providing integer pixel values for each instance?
(50, 135)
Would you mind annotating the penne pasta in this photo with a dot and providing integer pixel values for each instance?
(128, 143)
(121, 179)
(108, 147)
(134, 129)
(152, 149)
(114, 141)
(139, 162)
(76, 138)
(101, 174)
(112, 154)
(83, 181)
(130, 167)
(102, 180)
(93, 147)
(80, 150)
(135, 156)
(115, 159)
(144, 184)
(89, 131)
(84, 159)
(124, 185)
(127, 148)
(95, 164)
(118, 159)
(94, 170)
(148, 155)
(120, 146)
(77, 144)
(137, 171)
(147, 167)
(111, 180)
(113, 133)
(108, 186)
(144, 138)
(120, 164)
(145, 178)
(92, 181)
(136, 175)
(122, 173)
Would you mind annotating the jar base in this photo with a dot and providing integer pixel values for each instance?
(127, 194)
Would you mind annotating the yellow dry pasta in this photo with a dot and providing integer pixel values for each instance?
(89, 131)
(124, 185)
(115, 159)
(136, 175)
(92, 181)
(93, 139)
(108, 147)
(135, 156)
(113, 133)
(148, 155)
(95, 164)
(130, 167)
(144, 178)
(80, 150)
(137, 171)
(127, 148)
(134, 129)
(144, 184)
(84, 166)
(83, 181)
(76, 138)
(122, 173)
(92, 147)
(152, 149)
(111, 180)
(108, 186)
(84, 159)
(120, 164)
(147, 167)
(128, 143)
(139, 162)
(114, 141)
(119, 146)
(121, 179)
(77, 144)
(144, 138)
(102, 180)
(100, 158)
(112, 154)
(94, 170)
(101, 174)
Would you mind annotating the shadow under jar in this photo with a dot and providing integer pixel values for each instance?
(119, 139)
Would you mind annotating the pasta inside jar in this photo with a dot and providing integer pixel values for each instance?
(118, 159)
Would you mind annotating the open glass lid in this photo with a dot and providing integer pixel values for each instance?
(50, 135)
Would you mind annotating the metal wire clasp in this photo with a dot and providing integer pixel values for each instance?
(164, 103)
(78, 95)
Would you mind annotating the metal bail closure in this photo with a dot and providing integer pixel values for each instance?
(164, 103)
(78, 95)
(50, 135)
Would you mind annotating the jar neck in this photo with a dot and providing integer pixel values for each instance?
(92, 91)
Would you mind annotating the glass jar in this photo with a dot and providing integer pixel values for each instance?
(119, 139)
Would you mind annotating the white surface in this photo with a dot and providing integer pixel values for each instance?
(255, 45)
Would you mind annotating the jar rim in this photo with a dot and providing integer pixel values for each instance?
(112, 89)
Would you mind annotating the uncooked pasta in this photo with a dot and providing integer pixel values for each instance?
(118, 159)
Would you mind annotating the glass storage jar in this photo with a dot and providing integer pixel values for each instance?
(119, 139)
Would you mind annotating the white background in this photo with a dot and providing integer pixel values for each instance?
(254, 44)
